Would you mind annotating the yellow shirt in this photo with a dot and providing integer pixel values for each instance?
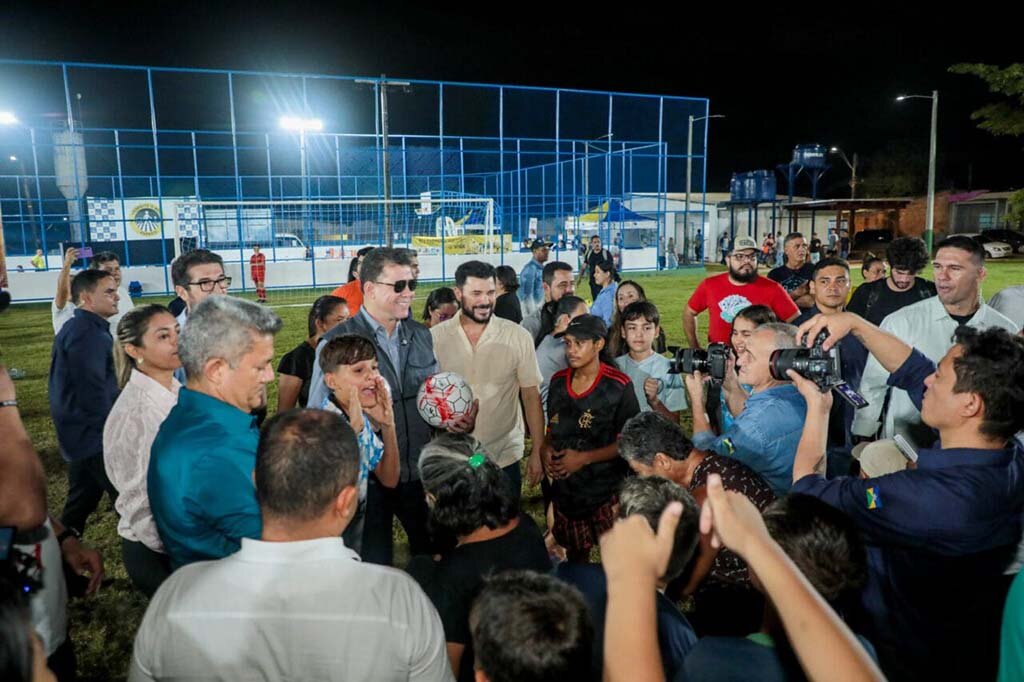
(502, 363)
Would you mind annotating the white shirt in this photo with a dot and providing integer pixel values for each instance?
(290, 611)
(128, 434)
(926, 326)
(503, 362)
(671, 394)
(60, 316)
(1010, 302)
(49, 604)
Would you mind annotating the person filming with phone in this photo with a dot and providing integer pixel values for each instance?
(942, 535)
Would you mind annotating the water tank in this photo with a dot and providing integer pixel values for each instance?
(72, 176)
(810, 155)
(736, 187)
(753, 186)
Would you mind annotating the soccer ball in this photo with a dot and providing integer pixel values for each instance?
(443, 397)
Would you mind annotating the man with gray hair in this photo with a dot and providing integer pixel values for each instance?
(765, 434)
(647, 497)
(200, 471)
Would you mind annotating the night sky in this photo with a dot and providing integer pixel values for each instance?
(789, 76)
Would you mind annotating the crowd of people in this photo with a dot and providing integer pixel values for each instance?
(729, 521)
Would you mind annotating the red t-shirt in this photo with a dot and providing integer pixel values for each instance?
(723, 300)
(258, 265)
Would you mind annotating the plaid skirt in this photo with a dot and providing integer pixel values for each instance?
(580, 535)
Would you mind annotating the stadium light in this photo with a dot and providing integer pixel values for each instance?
(301, 124)
(8, 118)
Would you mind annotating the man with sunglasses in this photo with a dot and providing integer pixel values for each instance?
(405, 354)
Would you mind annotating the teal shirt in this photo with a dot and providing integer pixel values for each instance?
(200, 479)
(1011, 642)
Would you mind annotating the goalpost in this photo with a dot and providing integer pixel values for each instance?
(309, 244)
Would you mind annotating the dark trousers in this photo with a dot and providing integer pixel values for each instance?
(146, 568)
(87, 481)
(62, 662)
(515, 477)
(406, 501)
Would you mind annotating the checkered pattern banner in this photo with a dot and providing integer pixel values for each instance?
(105, 220)
(114, 220)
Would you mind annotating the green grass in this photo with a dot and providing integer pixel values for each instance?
(103, 626)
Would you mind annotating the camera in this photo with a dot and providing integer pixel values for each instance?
(710, 361)
(822, 367)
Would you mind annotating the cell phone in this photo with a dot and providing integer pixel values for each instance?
(85, 252)
(906, 449)
(6, 540)
(851, 396)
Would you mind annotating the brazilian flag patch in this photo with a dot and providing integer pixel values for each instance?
(729, 446)
(874, 501)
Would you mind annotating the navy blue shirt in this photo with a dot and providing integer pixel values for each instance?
(83, 385)
(853, 356)
(676, 637)
(939, 540)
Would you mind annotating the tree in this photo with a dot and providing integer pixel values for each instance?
(1004, 117)
(898, 170)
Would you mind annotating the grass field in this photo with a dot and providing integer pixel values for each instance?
(103, 626)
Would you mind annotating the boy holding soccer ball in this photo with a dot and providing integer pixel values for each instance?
(588, 404)
(360, 395)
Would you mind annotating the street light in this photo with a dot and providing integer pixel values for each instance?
(587, 145)
(301, 124)
(930, 210)
(12, 157)
(8, 118)
(852, 165)
(297, 123)
(689, 170)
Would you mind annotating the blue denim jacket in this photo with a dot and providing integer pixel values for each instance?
(764, 435)
(531, 287)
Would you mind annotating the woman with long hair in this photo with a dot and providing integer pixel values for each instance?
(295, 370)
(441, 305)
(628, 292)
(507, 304)
(607, 278)
(145, 359)
(470, 500)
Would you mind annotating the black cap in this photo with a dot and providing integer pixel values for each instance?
(539, 244)
(585, 327)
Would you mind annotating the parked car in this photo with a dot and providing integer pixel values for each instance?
(875, 241)
(993, 247)
(1012, 237)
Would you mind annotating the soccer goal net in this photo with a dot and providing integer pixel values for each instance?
(308, 245)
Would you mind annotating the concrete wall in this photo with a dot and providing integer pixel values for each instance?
(34, 286)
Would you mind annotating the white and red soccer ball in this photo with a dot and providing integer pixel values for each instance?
(443, 397)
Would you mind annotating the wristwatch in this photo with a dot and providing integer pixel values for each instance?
(68, 533)
(8, 403)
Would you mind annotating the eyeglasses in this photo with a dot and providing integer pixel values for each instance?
(745, 257)
(208, 285)
(401, 284)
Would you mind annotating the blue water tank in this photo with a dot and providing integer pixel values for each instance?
(810, 155)
(736, 188)
(761, 185)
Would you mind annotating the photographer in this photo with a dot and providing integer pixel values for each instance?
(765, 433)
(23, 506)
(953, 522)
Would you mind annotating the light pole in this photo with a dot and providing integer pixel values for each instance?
(852, 165)
(382, 86)
(689, 171)
(297, 123)
(929, 227)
